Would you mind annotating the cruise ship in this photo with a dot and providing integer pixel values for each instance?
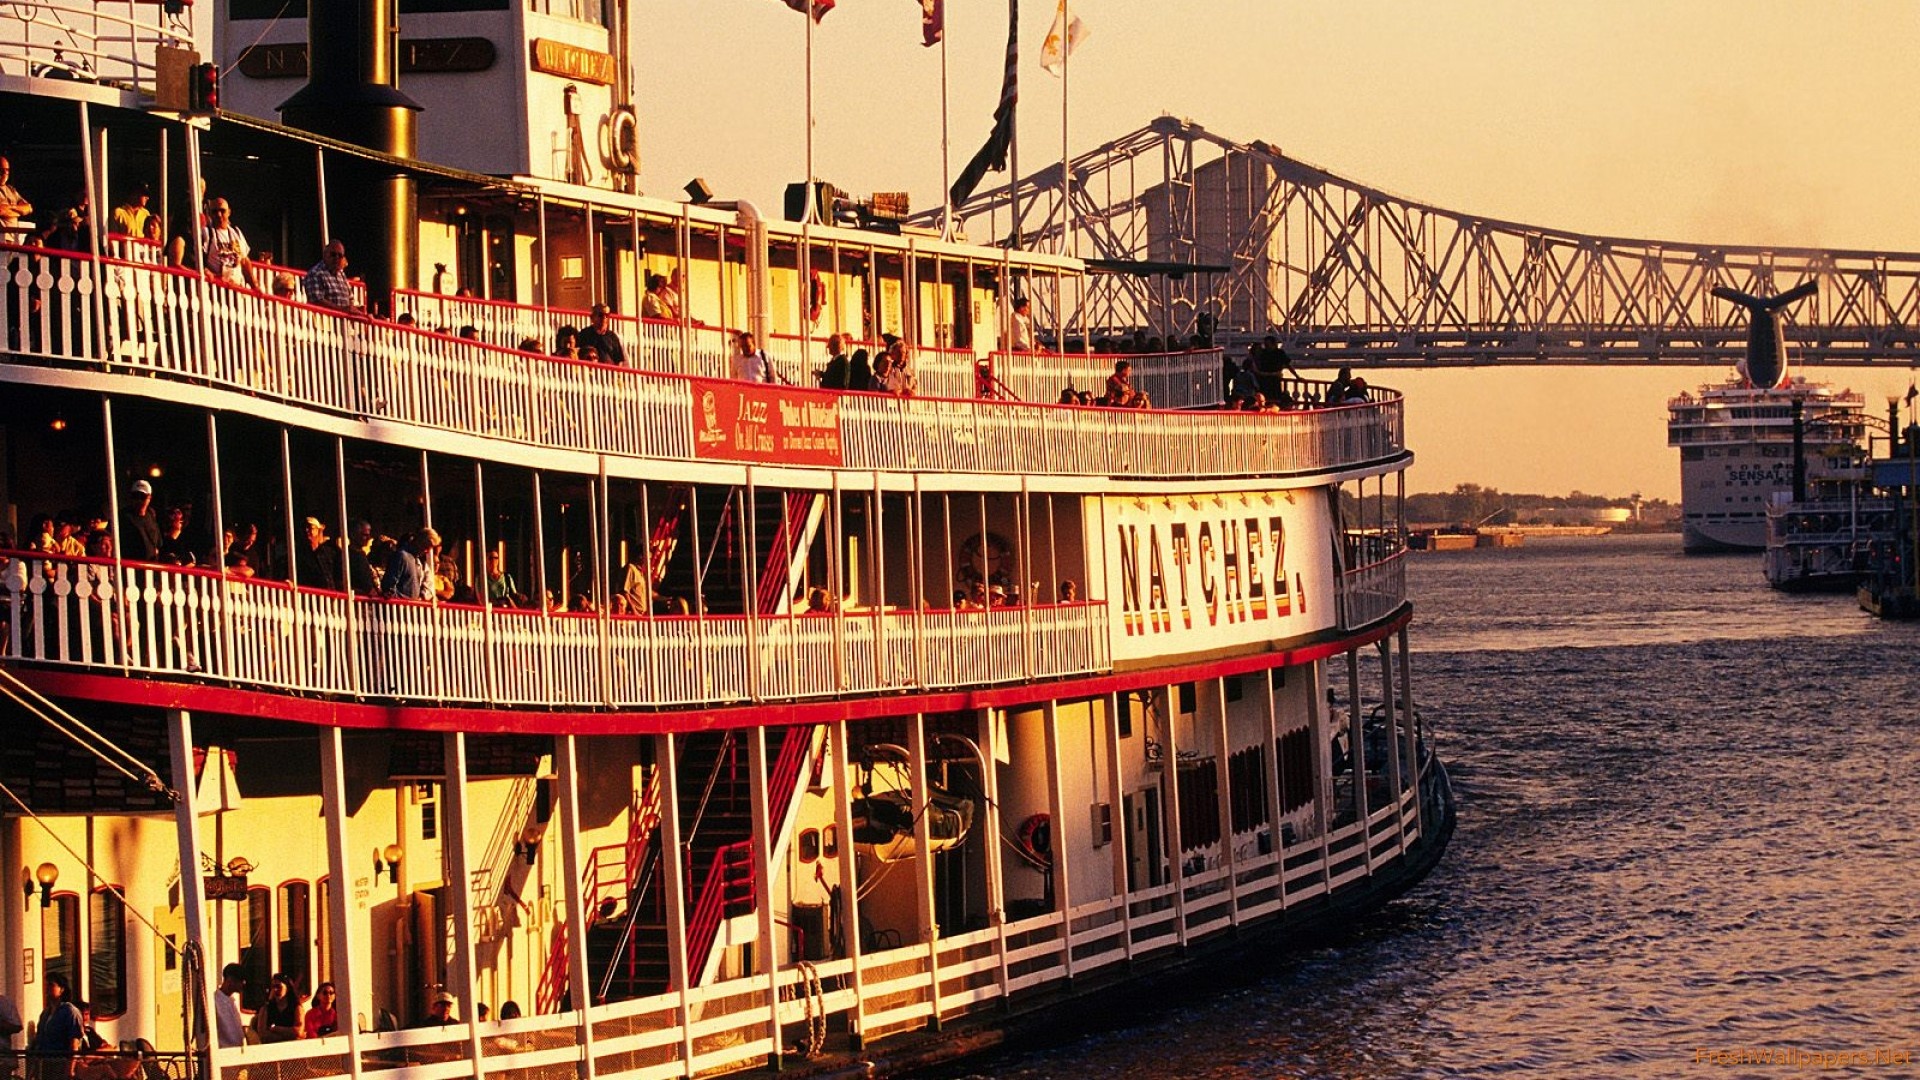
(387, 694)
(1737, 453)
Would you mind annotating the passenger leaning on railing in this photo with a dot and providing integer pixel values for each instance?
(327, 284)
(600, 337)
(130, 218)
(408, 577)
(224, 247)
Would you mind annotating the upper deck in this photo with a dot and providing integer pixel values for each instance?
(1736, 413)
(144, 328)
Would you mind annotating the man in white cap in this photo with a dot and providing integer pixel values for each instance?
(440, 1011)
(139, 526)
(316, 563)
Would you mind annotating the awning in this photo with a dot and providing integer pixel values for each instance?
(1154, 267)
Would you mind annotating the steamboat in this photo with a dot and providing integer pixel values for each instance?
(389, 695)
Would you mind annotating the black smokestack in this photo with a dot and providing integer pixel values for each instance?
(352, 94)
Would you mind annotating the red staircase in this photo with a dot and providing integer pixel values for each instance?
(628, 954)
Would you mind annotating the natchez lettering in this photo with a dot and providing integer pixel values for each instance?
(1235, 568)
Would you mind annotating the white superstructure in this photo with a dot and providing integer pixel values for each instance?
(1736, 453)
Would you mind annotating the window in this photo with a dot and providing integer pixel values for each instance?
(1247, 788)
(296, 934)
(107, 954)
(60, 930)
(426, 796)
(1199, 804)
(1296, 770)
(256, 953)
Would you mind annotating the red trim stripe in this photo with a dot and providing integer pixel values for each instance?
(235, 701)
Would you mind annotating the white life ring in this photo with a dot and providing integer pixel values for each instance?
(620, 140)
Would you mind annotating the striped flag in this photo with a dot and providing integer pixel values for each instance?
(993, 156)
(1061, 41)
(933, 22)
(820, 7)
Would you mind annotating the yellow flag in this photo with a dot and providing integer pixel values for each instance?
(1061, 40)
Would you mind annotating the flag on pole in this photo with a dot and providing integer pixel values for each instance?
(820, 7)
(933, 22)
(993, 156)
(1061, 41)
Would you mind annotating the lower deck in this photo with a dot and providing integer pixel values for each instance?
(837, 884)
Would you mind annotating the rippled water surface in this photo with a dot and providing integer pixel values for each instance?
(1688, 823)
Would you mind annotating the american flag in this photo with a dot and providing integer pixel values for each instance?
(993, 156)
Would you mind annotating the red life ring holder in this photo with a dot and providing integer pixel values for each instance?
(1036, 838)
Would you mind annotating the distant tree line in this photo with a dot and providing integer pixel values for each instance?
(1472, 504)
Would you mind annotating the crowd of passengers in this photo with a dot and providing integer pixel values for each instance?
(376, 566)
(1265, 382)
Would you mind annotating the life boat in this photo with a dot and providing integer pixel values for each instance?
(883, 823)
(883, 817)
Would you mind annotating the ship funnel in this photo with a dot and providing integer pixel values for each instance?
(352, 94)
(1766, 362)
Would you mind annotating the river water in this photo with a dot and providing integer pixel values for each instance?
(1688, 827)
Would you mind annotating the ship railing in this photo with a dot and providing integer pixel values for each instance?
(137, 1064)
(931, 434)
(1036, 952)
(1187, 379)
(1097, 933)
(296, 1059)
(205, 624)
(969, 971)
(897, 984)
(107, 42)
(1374, 591)
(938, 371)
(158, 320)
(1207, 901)
(902, 985)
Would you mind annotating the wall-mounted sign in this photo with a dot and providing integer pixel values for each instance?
(225, 886)
(572, 61)
(418, 56)
(739, 421)
(1190, 573)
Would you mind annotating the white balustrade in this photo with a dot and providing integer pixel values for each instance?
(270, 635)
(110, 42)
(175, 324)
(1376, 590)
(1175, 380)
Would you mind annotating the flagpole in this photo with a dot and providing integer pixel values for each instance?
(1067, 247)
(946, 152)
(808, 186)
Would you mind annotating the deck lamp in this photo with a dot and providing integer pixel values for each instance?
(528, 845)
(46, 874)
(390, 858)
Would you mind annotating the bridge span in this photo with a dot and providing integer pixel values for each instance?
(1343, 272)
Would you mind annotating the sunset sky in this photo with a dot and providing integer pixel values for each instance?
(1750, 122)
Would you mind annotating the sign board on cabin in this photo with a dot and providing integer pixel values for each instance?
(788, 425)
(1213, 571)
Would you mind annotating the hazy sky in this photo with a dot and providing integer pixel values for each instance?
(1748, 122)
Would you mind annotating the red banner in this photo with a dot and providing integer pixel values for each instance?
(782, 425)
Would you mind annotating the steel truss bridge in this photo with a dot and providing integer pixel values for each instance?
(1343, 272)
